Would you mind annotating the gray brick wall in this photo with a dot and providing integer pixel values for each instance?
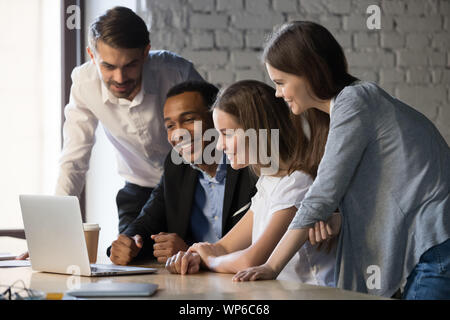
(409, 56)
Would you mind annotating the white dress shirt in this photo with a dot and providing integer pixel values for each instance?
(277, 193)
(135, 128)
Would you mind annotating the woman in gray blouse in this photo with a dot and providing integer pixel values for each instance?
(385, 166)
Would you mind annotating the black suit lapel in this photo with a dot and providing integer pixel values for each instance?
(187, 190)
(230, 186)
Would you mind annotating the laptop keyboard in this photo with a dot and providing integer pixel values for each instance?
(105, 269)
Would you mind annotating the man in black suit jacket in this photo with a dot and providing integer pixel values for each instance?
(164, 225)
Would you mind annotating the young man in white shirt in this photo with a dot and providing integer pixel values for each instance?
(123, 87)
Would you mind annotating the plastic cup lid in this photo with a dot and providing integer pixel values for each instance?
(91, 226)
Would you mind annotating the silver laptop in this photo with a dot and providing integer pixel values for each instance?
(55, 238)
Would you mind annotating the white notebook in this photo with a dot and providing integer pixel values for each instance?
(6, 256)
(114, 289)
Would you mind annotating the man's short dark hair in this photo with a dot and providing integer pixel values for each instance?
(207, 90)
(119, 27)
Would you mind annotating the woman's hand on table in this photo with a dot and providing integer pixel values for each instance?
(184, 263)
(262, 272)
(23, 256)
(207, 252)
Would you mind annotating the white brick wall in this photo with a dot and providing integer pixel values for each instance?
(409, 56)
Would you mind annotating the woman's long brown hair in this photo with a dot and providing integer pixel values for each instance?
(255, 106)
(307, 49)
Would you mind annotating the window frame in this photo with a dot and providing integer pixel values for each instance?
(72, 55)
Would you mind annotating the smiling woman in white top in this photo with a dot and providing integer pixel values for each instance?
(309, 265)
(283, 182)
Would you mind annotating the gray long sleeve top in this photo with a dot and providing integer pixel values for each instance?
(387, 168)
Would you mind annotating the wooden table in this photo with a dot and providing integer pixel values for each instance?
(201, 286)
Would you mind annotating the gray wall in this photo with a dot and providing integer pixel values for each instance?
(409, 56)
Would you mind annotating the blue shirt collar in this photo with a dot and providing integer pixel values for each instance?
(221, 171)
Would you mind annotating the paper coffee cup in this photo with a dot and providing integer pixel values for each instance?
(91, 232)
